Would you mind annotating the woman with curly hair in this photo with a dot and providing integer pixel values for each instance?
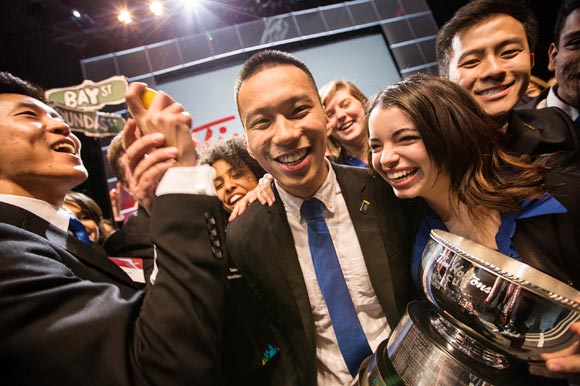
(237, 173)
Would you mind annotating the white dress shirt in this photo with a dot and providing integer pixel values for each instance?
(332, 369)
(553, 100)
(188, 180)
(58, 217)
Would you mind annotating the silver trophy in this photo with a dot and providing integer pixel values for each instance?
(487, 315)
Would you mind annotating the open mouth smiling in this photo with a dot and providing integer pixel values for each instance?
(401, 175)
(491, 91)
(293, 158)
(64, 147)
(234, 198)
(345, 126)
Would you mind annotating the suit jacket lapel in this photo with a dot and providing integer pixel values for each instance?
(93, 258)
(287, 259)
(21, 218)
(525, 137)
(372, 229)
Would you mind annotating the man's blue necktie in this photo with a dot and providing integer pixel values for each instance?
(349, 333)
(79, 230)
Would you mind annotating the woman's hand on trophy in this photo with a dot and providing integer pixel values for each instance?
(567, 360)
(564, 363)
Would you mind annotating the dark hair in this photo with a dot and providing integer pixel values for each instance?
(89, 208)
(268, 59)
(10, 84)
(566, 8)
(464, 142)
(233, 151)
(114, 153)
(477, 11)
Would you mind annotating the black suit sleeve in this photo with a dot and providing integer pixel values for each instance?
(132, 240)
(58, 328)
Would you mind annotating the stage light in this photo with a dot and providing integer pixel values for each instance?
(81, 18)
(156, 8)
(192, 4)
(125, 17)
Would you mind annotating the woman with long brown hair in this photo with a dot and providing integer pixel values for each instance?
(431, 142)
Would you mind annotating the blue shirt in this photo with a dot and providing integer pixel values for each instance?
(505, 233)
(353, 161)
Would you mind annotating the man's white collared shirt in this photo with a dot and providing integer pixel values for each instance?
(553, 100)
(332, 369)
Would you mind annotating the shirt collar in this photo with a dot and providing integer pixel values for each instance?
(539, 207)
(353, 161)
(529, 208)
(58, 217)
(553, 100)
(326, 194)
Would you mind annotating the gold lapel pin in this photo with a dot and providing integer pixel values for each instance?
(364, 207)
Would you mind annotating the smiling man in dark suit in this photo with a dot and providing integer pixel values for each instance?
(70, 316)
(286, 128)
(487, 48)
(564, 60)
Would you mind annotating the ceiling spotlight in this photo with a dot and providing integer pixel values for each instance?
(125, 17)
(156, 7)
(81, 18)
(192, 4)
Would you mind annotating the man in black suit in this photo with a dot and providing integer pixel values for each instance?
(287, 128)
(249, 347)
(564, 55)
(487, 48)
(70, 316)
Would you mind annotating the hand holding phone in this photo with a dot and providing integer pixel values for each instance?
(164, 116)
(146, 98)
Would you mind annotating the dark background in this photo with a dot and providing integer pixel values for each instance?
(40, 41)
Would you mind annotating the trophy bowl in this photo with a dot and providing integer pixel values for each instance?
(417, 354)
(500, 302)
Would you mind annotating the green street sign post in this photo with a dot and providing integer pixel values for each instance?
(91, 123)
(90, 96)
(79, 105)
